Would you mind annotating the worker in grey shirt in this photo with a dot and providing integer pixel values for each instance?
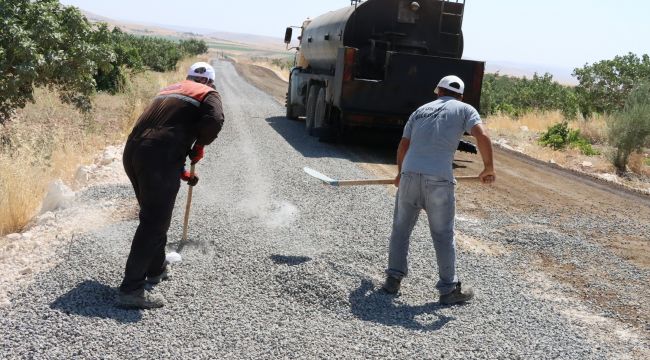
(425, 181)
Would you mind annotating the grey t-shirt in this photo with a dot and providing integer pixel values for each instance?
(435, 130)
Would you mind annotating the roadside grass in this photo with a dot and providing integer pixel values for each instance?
(534, 122)
(640, 164)
(48, 140)
(594, 129)
(523, 135)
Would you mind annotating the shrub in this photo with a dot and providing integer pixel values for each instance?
(193, 47)
(136, 53)
(585, 147)
(283, 63)
(629, 129)
(556, 137)
(560, 136)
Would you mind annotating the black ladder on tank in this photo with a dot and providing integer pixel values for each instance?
(450, 35)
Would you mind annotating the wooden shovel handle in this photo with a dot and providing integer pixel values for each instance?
(364, 182)
(390, 181)
(188, 205)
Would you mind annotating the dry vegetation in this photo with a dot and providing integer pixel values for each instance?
(522, 134)
(48, 140)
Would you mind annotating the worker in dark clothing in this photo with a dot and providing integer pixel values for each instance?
(180, 121)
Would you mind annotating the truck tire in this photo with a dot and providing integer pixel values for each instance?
(323, 118)
(311, 108)
(320, 113)
(291, 114)
(330, 133)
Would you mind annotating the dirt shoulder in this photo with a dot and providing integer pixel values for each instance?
(264, 79)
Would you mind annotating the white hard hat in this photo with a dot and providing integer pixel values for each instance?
(452, 83)
(202, 69)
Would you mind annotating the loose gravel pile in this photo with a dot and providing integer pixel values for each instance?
(280, 266)
(62, 216)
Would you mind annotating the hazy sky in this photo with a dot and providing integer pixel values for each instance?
(560, 33)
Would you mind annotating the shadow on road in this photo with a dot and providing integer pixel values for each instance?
(376, 306)
(367, 148)
(95, 300)
(289, 260)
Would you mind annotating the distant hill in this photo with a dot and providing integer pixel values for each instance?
(260, 40)
(143, 29)
(249, 40)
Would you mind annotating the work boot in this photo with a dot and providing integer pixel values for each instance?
(459, 295)
(140, 299)
(392, 285)
(155, 280)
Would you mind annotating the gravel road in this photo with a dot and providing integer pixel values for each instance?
(280, 266)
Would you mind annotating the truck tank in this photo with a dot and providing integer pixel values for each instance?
(424, 27)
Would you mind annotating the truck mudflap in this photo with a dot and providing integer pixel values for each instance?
(409, 82)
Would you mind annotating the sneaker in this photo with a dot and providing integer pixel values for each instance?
(140, 300)
(392, 285)
(459, 295)
(155, 280)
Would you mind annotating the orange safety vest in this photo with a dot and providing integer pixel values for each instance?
(187, 90)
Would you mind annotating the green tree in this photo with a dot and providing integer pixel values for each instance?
(605, 85)
(43, 43)
(629, 129)
(46, 44)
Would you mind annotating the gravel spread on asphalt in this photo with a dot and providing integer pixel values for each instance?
(281, 266)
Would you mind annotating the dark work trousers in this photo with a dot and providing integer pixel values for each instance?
(155, 176)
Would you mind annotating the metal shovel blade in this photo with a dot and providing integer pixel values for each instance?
(327, 180)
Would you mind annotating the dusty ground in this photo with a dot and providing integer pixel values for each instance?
(578, 204)
(264, 79)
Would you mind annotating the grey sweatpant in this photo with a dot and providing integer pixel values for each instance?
(436, 196)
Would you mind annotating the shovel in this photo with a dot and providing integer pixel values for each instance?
(175, 256)
(334, 182)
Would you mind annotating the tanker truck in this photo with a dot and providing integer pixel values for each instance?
(371, 64)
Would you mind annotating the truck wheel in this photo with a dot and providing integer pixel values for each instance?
(291, 114)
(330, 133)
(323, 122)
(311, 108)
(320, 123)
